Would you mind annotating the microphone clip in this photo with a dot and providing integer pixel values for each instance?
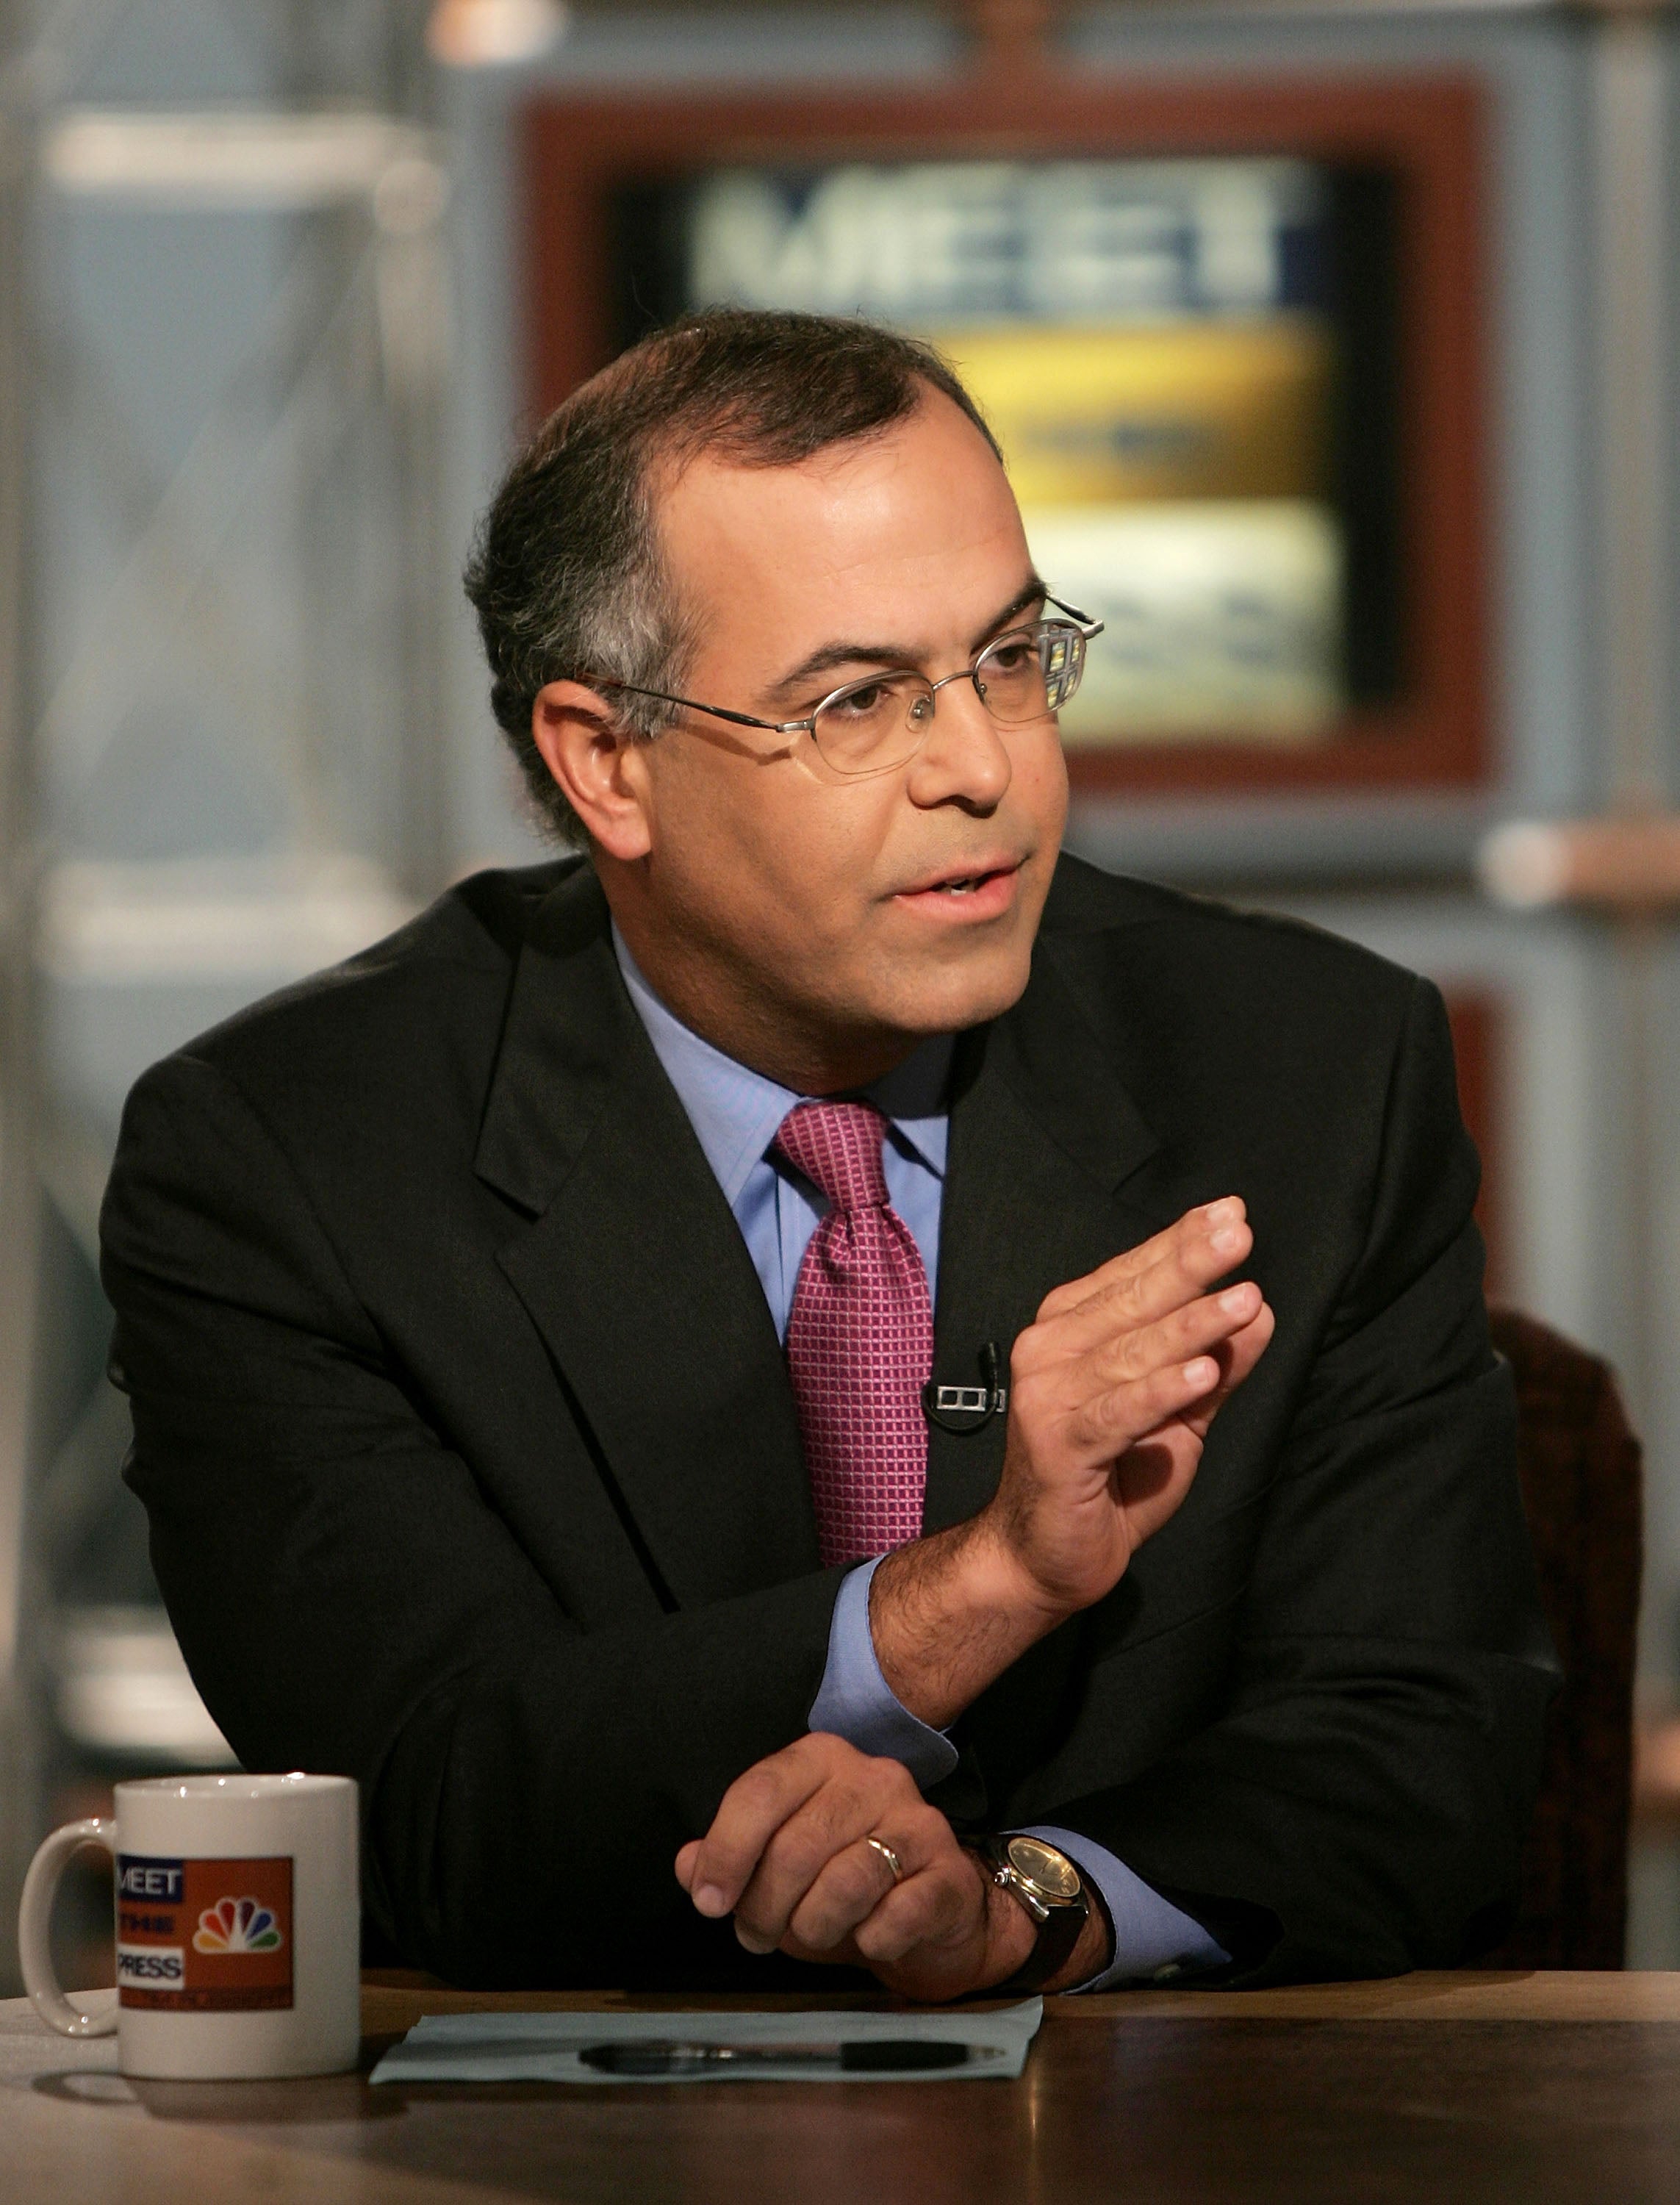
(966, 1409)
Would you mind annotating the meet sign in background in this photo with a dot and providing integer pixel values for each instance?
(1158, 346)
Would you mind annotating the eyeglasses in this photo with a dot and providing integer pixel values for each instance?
(881, 722)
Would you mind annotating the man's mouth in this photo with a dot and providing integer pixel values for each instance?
(988, 890)
(958, 883)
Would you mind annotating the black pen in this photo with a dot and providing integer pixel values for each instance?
(652, 2057)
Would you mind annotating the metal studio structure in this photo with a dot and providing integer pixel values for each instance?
(17, 1197)
(222, 396)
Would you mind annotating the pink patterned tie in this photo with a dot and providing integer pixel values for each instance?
(860, 1339)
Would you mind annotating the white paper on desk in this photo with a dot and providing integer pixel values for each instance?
(543, 2047)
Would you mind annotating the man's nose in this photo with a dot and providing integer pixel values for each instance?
(964, 759)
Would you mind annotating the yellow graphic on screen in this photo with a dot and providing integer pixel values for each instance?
(1191, 409)
(1172, 480)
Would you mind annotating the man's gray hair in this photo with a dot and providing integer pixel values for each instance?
(567, 573)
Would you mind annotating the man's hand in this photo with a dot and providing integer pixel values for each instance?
(1112, 1389)
(788, 1853)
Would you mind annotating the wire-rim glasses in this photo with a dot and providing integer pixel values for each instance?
(881, 720)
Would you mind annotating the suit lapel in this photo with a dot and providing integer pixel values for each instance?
(635, 1274)
(1044, 1136)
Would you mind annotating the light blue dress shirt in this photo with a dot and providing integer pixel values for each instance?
(735, 1113)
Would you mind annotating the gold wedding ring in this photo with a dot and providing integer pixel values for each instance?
(888, 1855)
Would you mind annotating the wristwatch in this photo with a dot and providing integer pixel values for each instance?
(1049, 1887)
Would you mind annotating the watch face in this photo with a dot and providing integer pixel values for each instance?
(1050, 1874)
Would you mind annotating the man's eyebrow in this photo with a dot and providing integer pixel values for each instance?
(1031, 593)
(830, 656)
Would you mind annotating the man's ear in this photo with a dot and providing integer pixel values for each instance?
(593, 760)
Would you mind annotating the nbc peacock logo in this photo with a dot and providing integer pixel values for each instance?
(236, 1925)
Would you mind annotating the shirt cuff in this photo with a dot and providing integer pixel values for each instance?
(1153, 1941)
(855, 1701)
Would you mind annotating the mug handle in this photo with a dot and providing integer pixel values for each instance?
(34, 1923)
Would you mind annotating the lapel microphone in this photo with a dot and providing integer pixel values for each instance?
(966, 1409)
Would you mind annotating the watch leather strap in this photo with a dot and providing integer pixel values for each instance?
(1059, 1932)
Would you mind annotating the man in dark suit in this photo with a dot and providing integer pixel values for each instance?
(941, 1395)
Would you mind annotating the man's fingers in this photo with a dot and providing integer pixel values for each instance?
(1132, 1262)
(753, 1810)
(1111, 1423)
(1153, 1473)
(831, 1822)
(924, 1909)
(1198, 1328)
(1239, 1357)
(1247, 1346)
(1244, 1347)
(1120, 1393)
(833, 1828)
(934, 1907)
(780, 1825)
(1149, 1282)
(847, 1890)
(1183, 1274)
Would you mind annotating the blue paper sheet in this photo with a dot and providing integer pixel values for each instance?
(545, 2048)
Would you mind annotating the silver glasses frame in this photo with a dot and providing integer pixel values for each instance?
(1082, 623)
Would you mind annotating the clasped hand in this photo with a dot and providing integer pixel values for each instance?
(1113, 1390)
(789, 1855)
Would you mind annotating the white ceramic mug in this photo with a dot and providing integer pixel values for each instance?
(238, 1926)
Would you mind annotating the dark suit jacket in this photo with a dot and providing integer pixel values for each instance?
(472, 1467)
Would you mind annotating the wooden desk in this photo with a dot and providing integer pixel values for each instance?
(1543, 2089)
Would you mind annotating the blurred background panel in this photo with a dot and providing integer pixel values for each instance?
(1331, 349)
(230, 368)
(1153, 344)
(1229, 333)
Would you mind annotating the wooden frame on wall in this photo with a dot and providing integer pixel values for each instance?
(1429, 132)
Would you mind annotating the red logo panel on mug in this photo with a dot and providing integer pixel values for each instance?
(203, 1935)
